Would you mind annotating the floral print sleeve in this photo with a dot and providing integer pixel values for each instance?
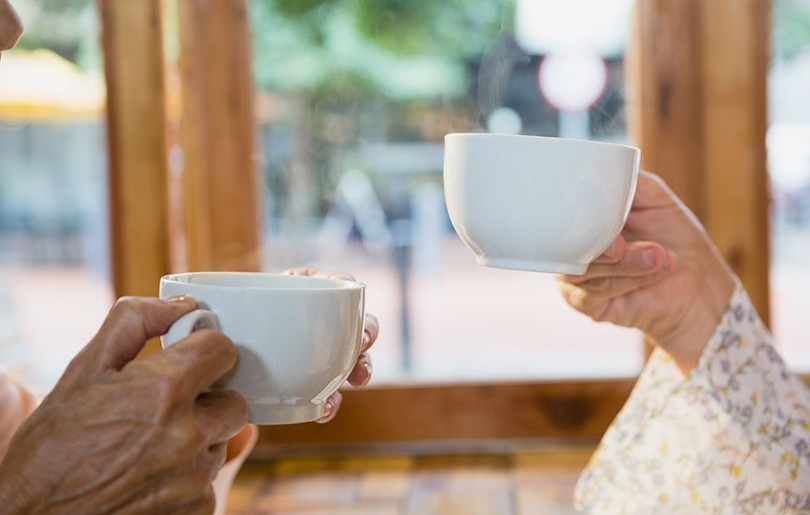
(733, 436)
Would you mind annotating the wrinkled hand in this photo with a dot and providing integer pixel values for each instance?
(663, 275)
(361, 373)
(124, 436)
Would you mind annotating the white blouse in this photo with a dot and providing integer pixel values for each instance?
(733, 436)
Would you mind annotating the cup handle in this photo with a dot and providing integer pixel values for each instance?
(188, 323)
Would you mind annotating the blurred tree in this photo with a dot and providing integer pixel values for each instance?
(68, 27)
(401, 49)
(791, 28)
(400, 30)
(349, 68)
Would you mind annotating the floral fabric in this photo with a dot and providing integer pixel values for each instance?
(733, 436)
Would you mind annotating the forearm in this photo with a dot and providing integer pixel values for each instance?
(686, 340)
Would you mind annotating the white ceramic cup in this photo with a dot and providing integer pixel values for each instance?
(537, 203)
(298, 337)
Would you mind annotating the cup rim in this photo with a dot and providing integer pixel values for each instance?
(482, 135)
(335, 283)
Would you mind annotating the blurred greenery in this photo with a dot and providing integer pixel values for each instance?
(400, 48)
(403, 49)
(68, 27)
(791, 28)
(343, 71)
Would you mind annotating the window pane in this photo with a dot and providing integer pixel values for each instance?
(53, 233)
(354, 101)
(789, 168)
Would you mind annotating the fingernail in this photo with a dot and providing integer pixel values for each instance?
(648, 259)
(177, 298)
(669, 262)
(367, 379)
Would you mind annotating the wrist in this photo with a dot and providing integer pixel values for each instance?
(686, 341)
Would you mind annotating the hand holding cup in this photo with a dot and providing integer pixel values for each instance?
(300, 336)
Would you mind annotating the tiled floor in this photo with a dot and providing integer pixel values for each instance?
(530, 481)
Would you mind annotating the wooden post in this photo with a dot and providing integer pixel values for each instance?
(735, 42)
(136, 132)
(696, 83)
(222, 189)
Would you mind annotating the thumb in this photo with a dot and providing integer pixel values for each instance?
(131, 322)
(651, 191)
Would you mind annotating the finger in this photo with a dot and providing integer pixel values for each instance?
(595, 297)
(371, 328)
(316, 272)
(204, 504)
(221, 414)
(242, 442)
(11, 25)
(614, 253)
(651, 192)
(639, 259)
(211, 460)
(197, 361)
(361, 373)
(332, 406)
(131, 322)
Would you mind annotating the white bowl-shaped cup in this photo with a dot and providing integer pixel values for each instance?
(298, 337)
(537, 203)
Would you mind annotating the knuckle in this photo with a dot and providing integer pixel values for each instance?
(126, 304)
(186, 438)
(167, 383)
(584, 301)
(575, 296)
(127, 310)
(225, 348)
(599, 312)
(229, 406)
(241, 407)
(599, 286)
(214, 342)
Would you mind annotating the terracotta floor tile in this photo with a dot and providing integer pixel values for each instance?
(531, 483)
(459, 502)
(531, 501)
(385, 485)
(309, 491)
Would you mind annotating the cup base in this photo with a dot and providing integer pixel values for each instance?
(532, 266)
(278, 414)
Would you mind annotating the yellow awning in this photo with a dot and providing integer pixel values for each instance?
(42, 85)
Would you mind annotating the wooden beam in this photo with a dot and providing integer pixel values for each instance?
(696, 74)
(735, 50)
(132, 42)
(222, 190)
(663, 94)
(447, 413)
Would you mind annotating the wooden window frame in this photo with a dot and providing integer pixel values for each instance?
(696, 101)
